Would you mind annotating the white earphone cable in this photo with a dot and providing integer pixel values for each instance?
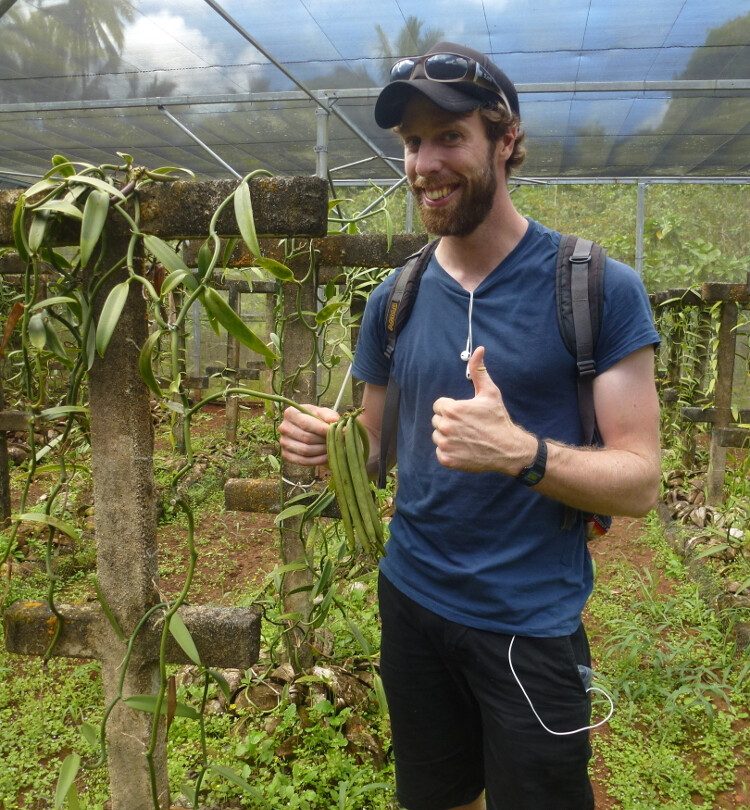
(468, 351)
(541, 722)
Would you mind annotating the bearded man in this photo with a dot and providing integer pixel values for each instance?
(483, 583)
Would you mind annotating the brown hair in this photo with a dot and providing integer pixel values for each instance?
(497, 121)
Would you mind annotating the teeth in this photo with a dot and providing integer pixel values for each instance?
(437, 193)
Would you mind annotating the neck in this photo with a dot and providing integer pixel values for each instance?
(470, 259)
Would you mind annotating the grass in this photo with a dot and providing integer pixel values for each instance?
(679, 736)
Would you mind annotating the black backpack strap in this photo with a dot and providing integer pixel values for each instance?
(579, 288)
(580, 300)
(397, 311)
(388, 429)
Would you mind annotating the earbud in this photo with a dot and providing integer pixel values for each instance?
(465, 355)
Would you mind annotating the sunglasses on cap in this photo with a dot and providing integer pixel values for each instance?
(448, 67)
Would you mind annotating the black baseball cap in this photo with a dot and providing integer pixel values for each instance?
(454, 96)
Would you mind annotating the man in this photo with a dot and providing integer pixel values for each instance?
(482, 588)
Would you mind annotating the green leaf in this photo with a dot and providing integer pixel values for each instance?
(111, 312)
(205, 257)
(243, 211)
(61, 207)
(328, 311)
(165, 254)
(101, 185)
(222, 682)
(90, 733)
(217, 307)
(236, 779)
(169, 169)
(38, 229)
(37, 332)
(145, 367)
(51, 302)
(147, 703)
(333, 203)
(289, 512)
(63, 166)
(66, 781)
(48, 520)
(276, 269)
(19, 231)
(90, 347)
(94, 217)
(42, 185)
(359, 638)
(62, 410)
(176, 278)
(183, 638)
(54, 344)
(228, 251)
(380, 695)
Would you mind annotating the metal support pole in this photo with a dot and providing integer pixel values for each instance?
(200, 143)
(343, 118)
(639, 227)
(321, 147)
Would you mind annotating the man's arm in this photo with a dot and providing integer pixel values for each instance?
(622, 478)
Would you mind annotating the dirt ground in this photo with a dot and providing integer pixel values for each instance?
(237, 549)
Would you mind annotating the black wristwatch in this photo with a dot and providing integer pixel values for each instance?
(533, 474)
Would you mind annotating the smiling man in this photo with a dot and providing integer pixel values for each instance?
(484, 581)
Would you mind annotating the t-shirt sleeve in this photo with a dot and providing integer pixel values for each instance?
(370, 363)
(627, 319)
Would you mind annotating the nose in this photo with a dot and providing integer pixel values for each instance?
(427, 159)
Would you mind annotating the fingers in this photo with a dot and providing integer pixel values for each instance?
(478, 372)
(303, 437)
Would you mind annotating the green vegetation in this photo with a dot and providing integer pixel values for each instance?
(680, 733)
(692, 233)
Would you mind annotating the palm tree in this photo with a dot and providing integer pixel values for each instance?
(70, 38)
(409, 42)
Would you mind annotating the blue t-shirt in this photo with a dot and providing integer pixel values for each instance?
(482, 549)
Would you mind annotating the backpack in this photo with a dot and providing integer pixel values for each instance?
(579, 283)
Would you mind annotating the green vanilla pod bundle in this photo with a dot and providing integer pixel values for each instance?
(348, 448)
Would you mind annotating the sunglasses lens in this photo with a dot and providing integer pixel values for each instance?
(402, 69)
(446, 67)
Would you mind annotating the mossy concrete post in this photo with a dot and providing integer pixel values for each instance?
(122, 445)
(124, 502)
(717, 461)
(299, 370)
(232, 405)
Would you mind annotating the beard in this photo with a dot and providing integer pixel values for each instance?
(468, 212)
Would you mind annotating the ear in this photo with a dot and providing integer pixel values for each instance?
(506, 143)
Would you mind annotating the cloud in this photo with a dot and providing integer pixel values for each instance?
(165, 40)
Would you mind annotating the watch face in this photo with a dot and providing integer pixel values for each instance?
(532, 477)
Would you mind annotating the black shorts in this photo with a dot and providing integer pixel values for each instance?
(461, 723)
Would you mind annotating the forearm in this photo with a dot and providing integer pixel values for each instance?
(601, 480)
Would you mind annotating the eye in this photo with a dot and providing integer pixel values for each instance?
(411, 143)
(451, 136)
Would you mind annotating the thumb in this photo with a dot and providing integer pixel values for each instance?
(479, 375)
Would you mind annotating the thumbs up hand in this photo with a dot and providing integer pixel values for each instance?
(478, 435)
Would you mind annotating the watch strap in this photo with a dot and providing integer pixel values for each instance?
(533, 474)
